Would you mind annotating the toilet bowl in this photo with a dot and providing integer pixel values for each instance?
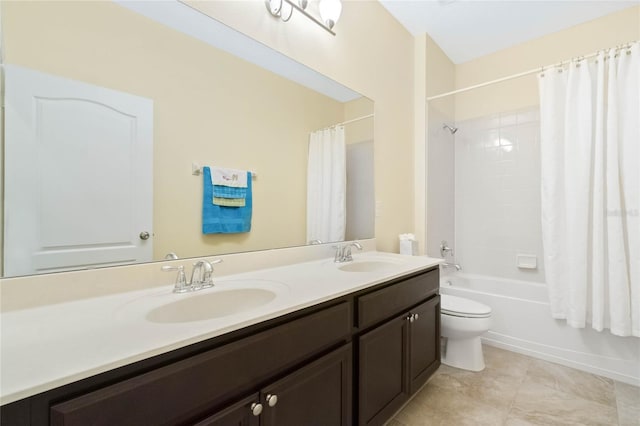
(462, 322)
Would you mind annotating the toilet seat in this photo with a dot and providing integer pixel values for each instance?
(461, 307)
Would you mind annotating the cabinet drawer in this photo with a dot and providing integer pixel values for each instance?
(181, 391)
(386, 302)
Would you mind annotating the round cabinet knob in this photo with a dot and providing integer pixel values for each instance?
(410, 318)
(256, 409)
(272, 400)
(144, 235)
(416, 317)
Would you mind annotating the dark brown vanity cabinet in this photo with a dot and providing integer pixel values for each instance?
(424, 343)
(245, 412)
(351, 360)
(397, 357)
(318, 394)
(383, 371)
(186, 391)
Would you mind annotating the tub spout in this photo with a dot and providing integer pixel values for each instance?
(446, 265)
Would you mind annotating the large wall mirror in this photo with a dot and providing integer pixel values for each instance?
(185, 101)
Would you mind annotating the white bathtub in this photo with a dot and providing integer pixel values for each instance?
(522, 323)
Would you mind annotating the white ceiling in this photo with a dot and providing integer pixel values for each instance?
(468, 29)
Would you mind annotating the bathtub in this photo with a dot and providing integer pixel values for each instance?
(522, 323)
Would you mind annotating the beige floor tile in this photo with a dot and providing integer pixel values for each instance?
(415, 414)
(542, 405)
(514, 421)
(515, 390)
(394, 422)
(491, 387)
(507, 362)
(450, 407)
(628, 400)
(584, 385)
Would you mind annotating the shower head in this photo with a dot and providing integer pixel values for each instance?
(453, 130)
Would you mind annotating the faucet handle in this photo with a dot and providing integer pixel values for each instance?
(347, 250)
(181, 280)
(347, 253)
(444, 248)
(207, 275)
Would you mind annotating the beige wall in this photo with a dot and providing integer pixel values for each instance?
(361, 130)
(602, 33)
(209, 107)
(371, 53)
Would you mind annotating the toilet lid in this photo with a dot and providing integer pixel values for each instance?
(461, 307)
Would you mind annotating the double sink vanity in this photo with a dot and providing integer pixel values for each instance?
(309, 343)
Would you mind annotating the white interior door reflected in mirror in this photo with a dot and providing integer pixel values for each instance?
(87, 193)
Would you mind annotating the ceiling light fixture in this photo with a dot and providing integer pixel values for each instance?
(330, 11)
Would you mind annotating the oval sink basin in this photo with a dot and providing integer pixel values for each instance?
(367, 266)
(211, 305)
(227, 297)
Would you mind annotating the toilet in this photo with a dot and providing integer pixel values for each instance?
(462, 322)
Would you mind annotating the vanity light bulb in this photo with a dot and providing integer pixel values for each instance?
(303, 4)
(286, 11)
(330, 11)
(274, 6)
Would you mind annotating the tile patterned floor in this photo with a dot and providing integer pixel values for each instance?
(516, 390)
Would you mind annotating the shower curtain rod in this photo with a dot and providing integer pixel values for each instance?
(525, 73)
(353, 120)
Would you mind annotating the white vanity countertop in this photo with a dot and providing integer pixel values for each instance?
(49, 346)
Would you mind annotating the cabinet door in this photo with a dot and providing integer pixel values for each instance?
(424, 343)
(318, 394)
(383, 378)
(243, 413)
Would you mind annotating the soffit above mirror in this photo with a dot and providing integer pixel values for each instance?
(190, 21)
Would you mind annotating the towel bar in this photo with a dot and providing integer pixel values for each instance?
(196, 170)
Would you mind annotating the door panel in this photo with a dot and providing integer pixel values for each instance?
(424, 343)
(383, 371)
(316, 395)
(238, 414)
(88, 191)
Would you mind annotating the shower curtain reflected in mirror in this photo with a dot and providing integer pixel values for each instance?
(326, 185)
(590, 152)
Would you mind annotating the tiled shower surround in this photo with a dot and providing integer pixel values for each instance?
(497, 194)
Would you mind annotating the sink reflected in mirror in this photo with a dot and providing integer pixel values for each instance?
(211, 305)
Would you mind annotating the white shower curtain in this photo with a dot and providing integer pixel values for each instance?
(326, 185)
(590, 153)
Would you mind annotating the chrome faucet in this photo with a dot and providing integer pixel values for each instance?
(446, 265)
(444, 248)
(343, 252)
(201, 276)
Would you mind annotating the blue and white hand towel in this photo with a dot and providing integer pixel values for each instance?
(229, 177)
(221, 219)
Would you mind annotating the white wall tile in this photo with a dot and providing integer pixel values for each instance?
(497, 194)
